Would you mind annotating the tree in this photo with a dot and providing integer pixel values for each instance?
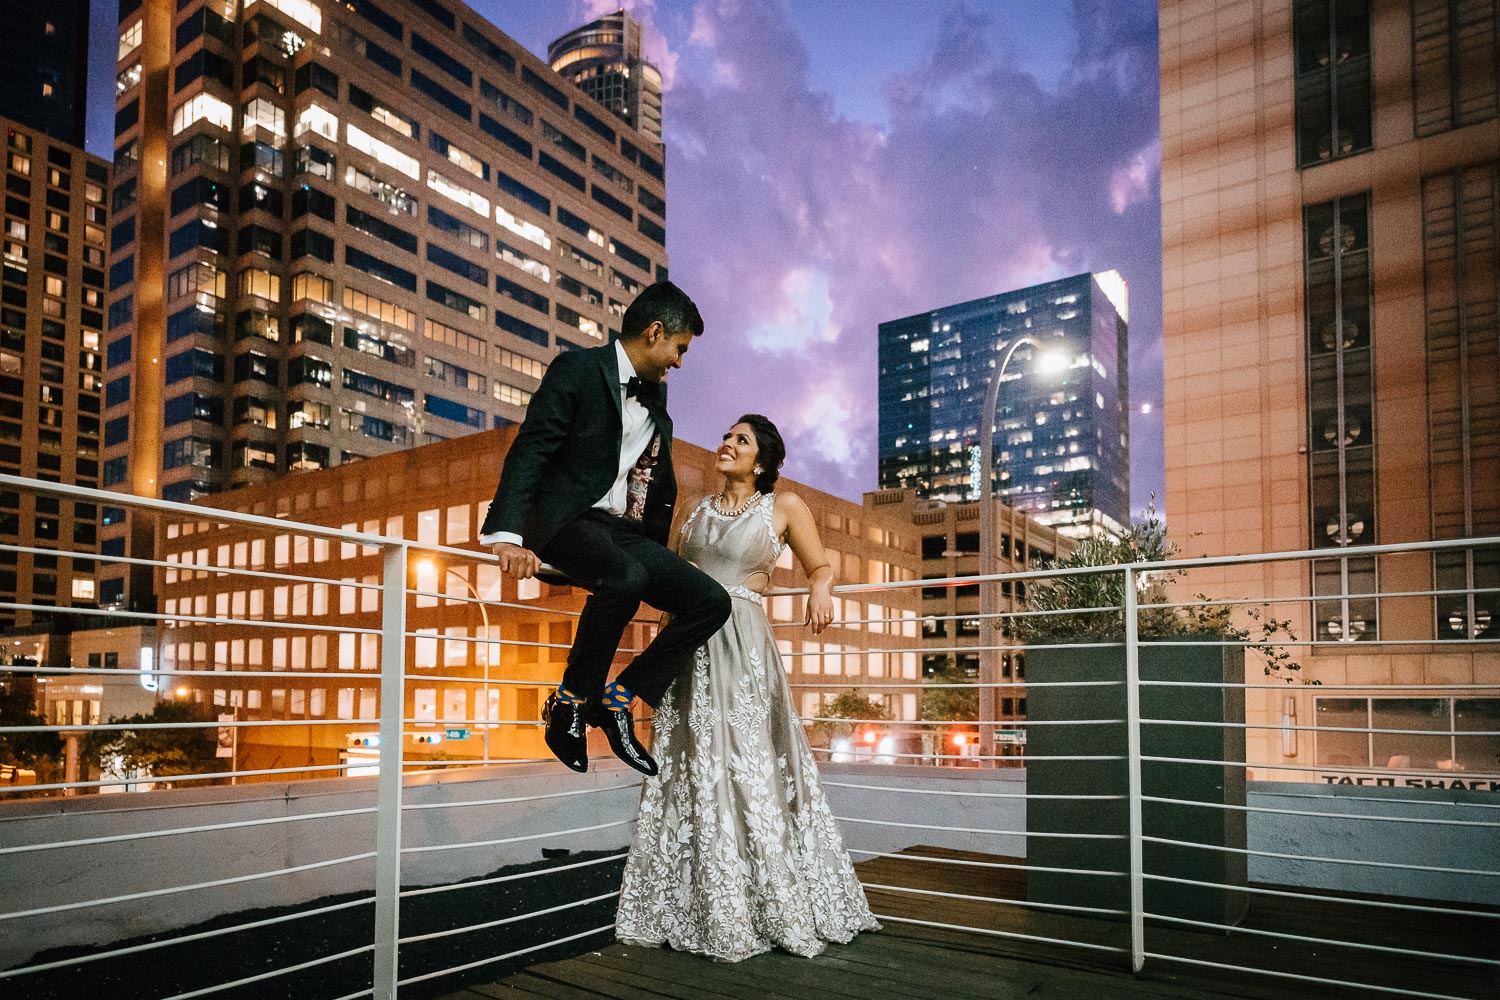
(1157, 618)
(40, 751)
(156, 753)
(834, 716)
(953, 704)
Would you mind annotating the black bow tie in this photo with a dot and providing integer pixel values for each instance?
(646, 392)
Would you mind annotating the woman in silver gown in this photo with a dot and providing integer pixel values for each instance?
(736, 850)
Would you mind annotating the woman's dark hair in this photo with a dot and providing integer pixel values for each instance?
(770, 450)
(662, 302)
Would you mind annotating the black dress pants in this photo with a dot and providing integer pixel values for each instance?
(620, 567)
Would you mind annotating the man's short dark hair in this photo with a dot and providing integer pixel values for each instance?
(665, 303)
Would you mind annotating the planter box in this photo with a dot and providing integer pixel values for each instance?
(1197, 825)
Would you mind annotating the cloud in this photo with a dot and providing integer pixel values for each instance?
(828, 421)
(798, 230)
(804, 318)
(1134, 182)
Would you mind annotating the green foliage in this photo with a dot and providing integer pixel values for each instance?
(33, 751)
(1145, 542)
(156, 753)
(849, 705)
(959, 704)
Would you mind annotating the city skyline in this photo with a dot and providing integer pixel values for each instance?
(849, 207)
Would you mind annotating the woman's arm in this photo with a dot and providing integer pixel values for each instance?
(801, 534)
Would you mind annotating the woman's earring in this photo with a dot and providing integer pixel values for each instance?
(757, 470)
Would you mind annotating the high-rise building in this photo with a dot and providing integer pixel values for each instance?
(1330, 215)
(604, 59)
(1062, 445)
(44, 75)
(345, 229)
(51, 365)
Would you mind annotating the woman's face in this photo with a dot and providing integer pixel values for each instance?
(737, 452)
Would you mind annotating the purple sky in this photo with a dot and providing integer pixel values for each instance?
(835, 163)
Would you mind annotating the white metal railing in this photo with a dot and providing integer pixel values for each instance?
(413, 819)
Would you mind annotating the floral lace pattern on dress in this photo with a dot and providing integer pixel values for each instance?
(736, 849)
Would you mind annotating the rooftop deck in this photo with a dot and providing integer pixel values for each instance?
(1146, 763)
(908, 960)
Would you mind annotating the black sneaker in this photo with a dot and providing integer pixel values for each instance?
(619, 729)
(567, 732)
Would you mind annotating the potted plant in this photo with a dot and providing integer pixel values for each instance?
(1202, 644)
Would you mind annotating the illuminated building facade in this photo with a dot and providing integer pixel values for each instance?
(439, 494)
(1330, 213)
(1062, 446)
(51, 365)
(345, 229)
(604, 59)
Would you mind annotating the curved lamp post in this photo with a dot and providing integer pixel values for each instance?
(988, 675)
(485, 617)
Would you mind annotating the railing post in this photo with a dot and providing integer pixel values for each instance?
(388, 784)
(1133, 773)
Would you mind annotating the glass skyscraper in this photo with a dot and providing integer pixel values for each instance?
(1062, 440)
(344, 229)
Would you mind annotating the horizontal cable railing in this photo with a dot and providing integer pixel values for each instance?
(1064, 840)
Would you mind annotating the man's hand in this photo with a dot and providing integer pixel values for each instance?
(516, 561)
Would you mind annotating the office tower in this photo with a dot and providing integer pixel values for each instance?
(44, 75)
(1330, 215)
(1062, 447)
(345, 229)
(604, 59)
(51, 324)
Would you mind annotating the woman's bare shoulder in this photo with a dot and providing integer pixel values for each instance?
(787, 501)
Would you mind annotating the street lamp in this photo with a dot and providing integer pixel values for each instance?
(428, 566)
(1048, 363)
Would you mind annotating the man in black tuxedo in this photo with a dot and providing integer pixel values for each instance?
(588, 487)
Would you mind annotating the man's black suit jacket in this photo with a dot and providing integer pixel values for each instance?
(567, 453)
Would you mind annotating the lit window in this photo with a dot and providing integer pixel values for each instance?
(383, 152)
(312, 287)
(471, 200)
(202, 107)
(130, 38)
(525, 230)
(258, 281)
(468, 162)
(517, 259)
(511, 394)
(386, 312)
(127, 78)
(261, 112)
(316, 119)
(301, 11)
(46, 90)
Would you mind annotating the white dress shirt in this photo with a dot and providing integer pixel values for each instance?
(635, 437)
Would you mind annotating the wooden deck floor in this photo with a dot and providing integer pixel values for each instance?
(908, 961)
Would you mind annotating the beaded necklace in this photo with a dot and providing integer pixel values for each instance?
(749, 502)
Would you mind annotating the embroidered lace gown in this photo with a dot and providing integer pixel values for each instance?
(736, 850)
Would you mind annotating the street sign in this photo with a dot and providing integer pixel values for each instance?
(457, 734)
(1013, 737)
